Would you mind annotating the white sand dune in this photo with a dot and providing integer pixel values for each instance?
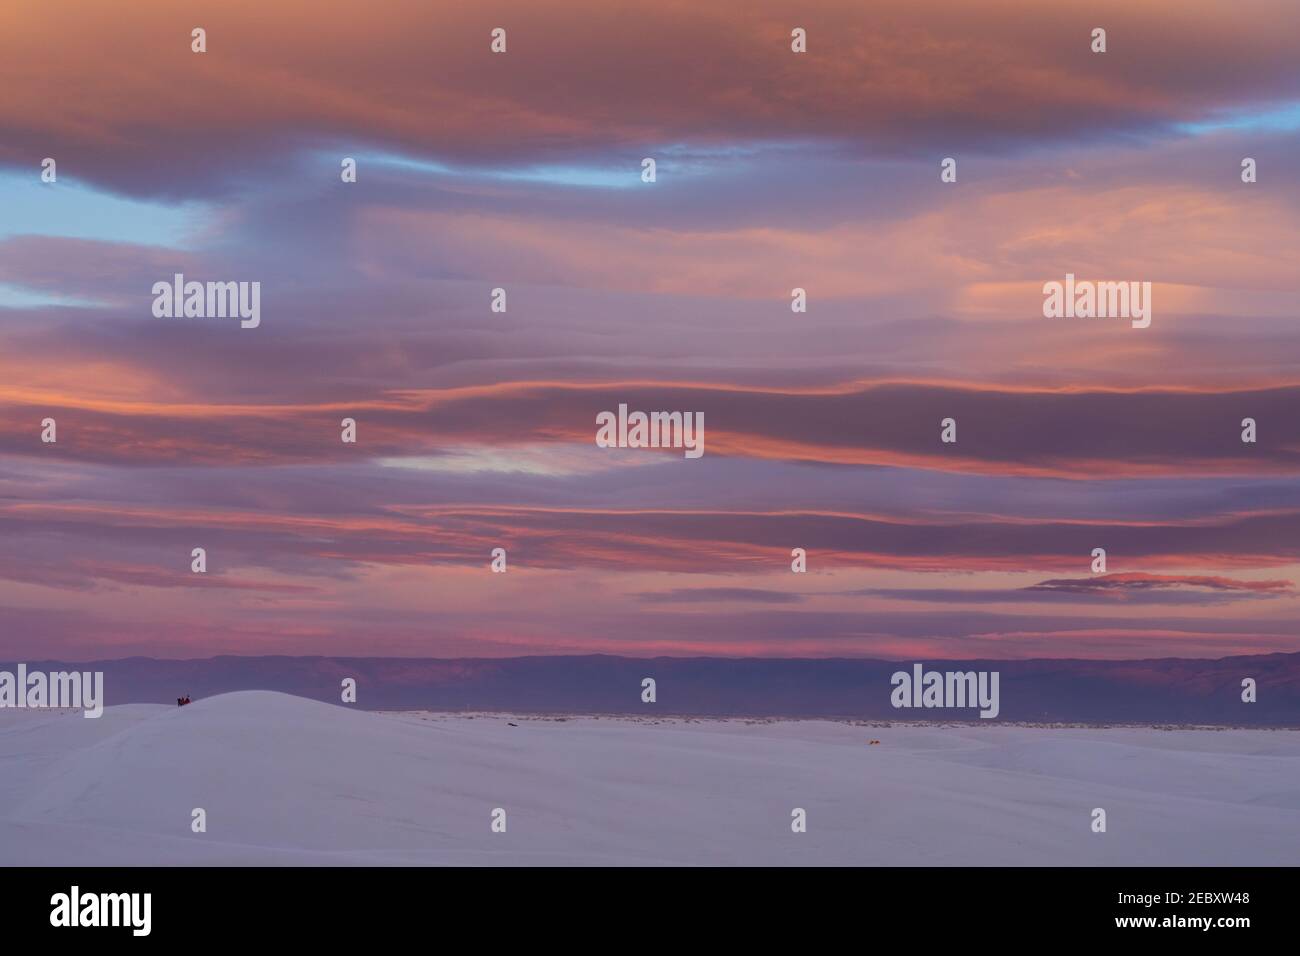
(291, 781)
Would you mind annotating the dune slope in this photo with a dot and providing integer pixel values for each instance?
(285, 780)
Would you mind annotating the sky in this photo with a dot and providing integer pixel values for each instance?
(476, 429)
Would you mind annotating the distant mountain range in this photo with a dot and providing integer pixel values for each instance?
(1166, 690)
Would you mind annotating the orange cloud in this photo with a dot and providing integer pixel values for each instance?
(91, 79)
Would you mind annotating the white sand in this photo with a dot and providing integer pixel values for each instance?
(287, 780)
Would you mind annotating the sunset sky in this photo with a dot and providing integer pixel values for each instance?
(476, 429)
